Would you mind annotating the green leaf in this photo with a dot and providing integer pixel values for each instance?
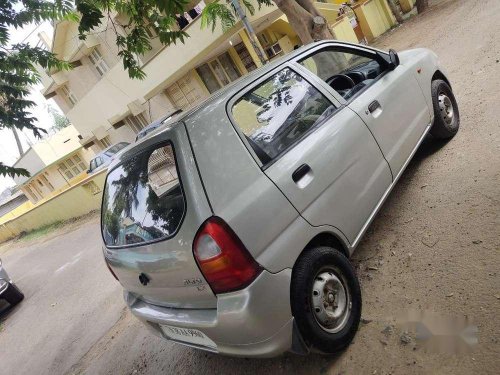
(214, 12)
(5, 170)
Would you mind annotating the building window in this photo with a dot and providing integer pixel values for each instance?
(47, 182)
(37, 191)
(245, 57)
(137, 123)
(66, 171)
(70, 97)
(98, 62)
(79, 161)
(263, 39)
(31, 194)
(105, 142)
(185, 93)
(219, 72)
(274, 50)
(72, 167)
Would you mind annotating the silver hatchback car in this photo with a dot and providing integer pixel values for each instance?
(231, 227)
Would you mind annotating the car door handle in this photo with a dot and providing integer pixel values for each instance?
(300, 172)
(374, 106)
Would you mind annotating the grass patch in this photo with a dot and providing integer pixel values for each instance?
(40, 232)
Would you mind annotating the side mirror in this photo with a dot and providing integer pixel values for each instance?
(393, 59)
(88, 171)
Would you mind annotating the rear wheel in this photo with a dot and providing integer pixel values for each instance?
(446, 115)
(326, 299)
(13, 295)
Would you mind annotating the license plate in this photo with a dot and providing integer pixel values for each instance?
(188, 335)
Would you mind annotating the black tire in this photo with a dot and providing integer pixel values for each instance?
(304, 275)
(13, 295)
(442, 129)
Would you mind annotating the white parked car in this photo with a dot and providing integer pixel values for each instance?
(104, 158)
(231, 229)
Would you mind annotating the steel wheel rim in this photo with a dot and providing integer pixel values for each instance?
(331, 300)
(446, 108)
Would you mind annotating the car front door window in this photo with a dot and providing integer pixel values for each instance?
(346, 71)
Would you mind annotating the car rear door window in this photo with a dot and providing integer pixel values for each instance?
(143, 199)
(279, 112)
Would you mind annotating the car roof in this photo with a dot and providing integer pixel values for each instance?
(236, 86)
(225, 93)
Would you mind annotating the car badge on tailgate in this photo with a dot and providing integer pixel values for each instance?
(143, 279)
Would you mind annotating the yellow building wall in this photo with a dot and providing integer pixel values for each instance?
(248, 44)
(234, 55)
(76, 201)
(344, 31)
(329, 10)
(374, 17)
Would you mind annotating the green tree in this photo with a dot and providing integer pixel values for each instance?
(18, 64)
(133, 40)
(60, 121)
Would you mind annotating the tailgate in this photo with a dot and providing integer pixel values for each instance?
(153, 204)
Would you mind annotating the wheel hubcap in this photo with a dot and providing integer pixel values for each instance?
(331, 300)
(446, 108)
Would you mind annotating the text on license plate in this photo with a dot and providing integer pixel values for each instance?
(188, 335)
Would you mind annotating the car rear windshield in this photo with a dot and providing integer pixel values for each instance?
(143, 199)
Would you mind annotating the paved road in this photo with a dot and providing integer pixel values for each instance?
(70, 301)
(435, 243)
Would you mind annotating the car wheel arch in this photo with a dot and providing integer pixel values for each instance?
(327, 239)
(439, 75)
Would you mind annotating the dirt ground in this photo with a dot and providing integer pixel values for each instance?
(434, 246)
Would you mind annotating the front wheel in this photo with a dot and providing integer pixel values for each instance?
(446, 115)
(13, 295)
(325, 299)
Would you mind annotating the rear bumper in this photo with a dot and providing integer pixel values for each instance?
(253, 322)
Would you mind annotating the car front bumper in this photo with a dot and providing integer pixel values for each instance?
(253, 322)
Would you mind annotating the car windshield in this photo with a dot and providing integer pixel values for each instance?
(114, 149)
(143, 199)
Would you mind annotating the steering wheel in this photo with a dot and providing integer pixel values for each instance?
(341, 81)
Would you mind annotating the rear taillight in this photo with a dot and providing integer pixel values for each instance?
(223, 259)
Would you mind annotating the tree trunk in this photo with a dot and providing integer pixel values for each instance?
(396, 11)
(18, 142)
(305, 20)
(422, 5)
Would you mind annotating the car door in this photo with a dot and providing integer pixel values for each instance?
(390, 102)
(318, 153)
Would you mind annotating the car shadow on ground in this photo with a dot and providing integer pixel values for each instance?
(287, 363)
(429, 147)
(5, 310)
